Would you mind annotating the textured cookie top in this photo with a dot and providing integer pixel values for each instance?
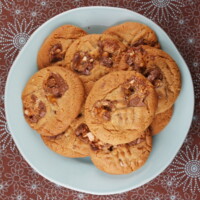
(93, 56)
(133, 34)
(120, 106)
(160, 121)
(52, 51)
(123, 158)
(68, 143)
(159, 68)
(52, 99)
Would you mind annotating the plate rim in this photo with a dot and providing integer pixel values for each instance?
(116, 191)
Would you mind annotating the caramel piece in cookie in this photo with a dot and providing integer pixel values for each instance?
(52, 99)
(52, 51)
(160, 121)
(123, 158)
(93, 56)
(120, 106)
(159, 68)
(133, 34)
(70, 143)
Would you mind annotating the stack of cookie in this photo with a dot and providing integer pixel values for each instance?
(102, 95)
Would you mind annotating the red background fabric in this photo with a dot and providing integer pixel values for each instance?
(180, 19)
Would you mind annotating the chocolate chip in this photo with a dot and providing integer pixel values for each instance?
(110, 148)
(36, 114)
(154, 74)
(56, 53)
(79, 115)
(137, 141)
(107, 61)
(34, 98)
(136, 102)
(128, 90)
(82, 63)
(103, 108)
(81, 132)
(55, 85)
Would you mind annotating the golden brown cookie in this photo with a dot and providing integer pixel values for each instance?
(69, 143)
(120, 106)
(159, 68)
(93, 56)
(123, 158)
(52, 99)
(160, 121)
(134, 34)
(52, 51)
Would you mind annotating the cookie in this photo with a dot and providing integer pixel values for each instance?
(52, 51)
(123, 158)
(52, 99)
(159, 68)
(120, 106)
(133, 34)
(160, 121)
(93, 56)
(69, 143)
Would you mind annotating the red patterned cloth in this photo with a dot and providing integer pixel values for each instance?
(180, 19)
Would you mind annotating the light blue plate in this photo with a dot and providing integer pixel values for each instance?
(81, 174)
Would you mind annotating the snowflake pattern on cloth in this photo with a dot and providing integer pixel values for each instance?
(180, 19)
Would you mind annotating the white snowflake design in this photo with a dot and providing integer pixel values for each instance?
(34, 186)
(18, 195)
(186, 169)
(14, 37)
(58, 6)
(79, 196)
(3, 187)
(173, 195)
(142, 193)
(161, 9)
(17, 11)
(15, 159)
(168, 182)
(16, 177)
(54, 189)
(36, 15)
(193, 13)
(42, 4)
(5, 137)
(156, 196)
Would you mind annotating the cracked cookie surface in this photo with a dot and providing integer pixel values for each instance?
(93, 56)
(123, 158)
(159, 68)
(133, 34)
(120, 106)
(69, 143)
(53, 49)
(52, 99)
